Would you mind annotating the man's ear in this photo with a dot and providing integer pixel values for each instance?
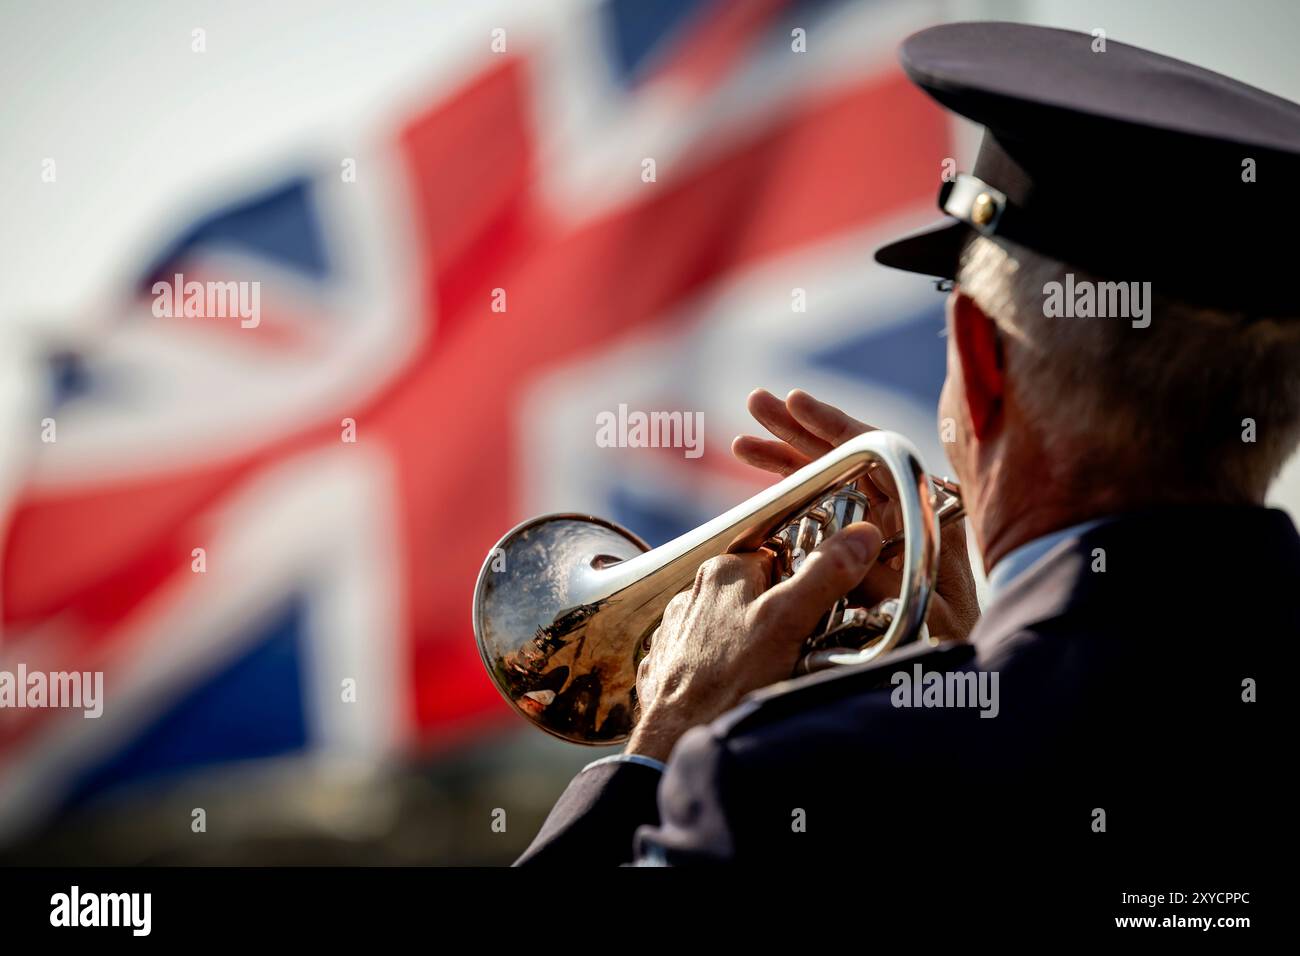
(983, 372)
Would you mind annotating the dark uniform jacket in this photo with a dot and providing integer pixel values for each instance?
(1127, 662)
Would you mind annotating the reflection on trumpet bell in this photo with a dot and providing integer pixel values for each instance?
(566, 604)
(569, 674)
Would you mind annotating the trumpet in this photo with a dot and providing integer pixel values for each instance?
(566, 604)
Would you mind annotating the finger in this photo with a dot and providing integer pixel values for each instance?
(744, 574)
(825, 421)
(880, 477)
(943, 615)
(876, 485)
(756, 569)
(795, 605)
(883, 581)
(770, 412)
(774, 456)
(835, 427)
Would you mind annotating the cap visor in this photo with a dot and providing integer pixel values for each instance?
(934, 252)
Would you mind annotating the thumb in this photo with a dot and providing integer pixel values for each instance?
(795, 605)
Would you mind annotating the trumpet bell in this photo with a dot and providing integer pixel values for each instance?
(559, 663)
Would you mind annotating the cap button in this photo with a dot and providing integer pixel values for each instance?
(982, 210)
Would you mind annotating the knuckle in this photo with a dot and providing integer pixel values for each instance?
(708, 571)
(717, 570)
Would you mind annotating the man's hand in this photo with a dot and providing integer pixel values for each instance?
(807, 429)
(730, 634)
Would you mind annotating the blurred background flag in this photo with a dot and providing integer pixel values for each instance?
(265, 530)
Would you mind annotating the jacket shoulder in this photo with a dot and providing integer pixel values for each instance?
(800, 694)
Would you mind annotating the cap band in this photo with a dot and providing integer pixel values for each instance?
(974, 202)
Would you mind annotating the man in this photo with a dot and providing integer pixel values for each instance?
(1114, 440)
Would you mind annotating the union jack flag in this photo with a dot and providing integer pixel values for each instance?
(659, 204)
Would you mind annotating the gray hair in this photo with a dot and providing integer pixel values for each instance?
(1110, 400)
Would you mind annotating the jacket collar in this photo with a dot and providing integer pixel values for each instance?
(1135, 547)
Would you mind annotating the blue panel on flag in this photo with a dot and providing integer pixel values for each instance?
(253, 708)
(69, 377)
(907, 356)
(636, 29)
(655, 520)
(281, 225)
